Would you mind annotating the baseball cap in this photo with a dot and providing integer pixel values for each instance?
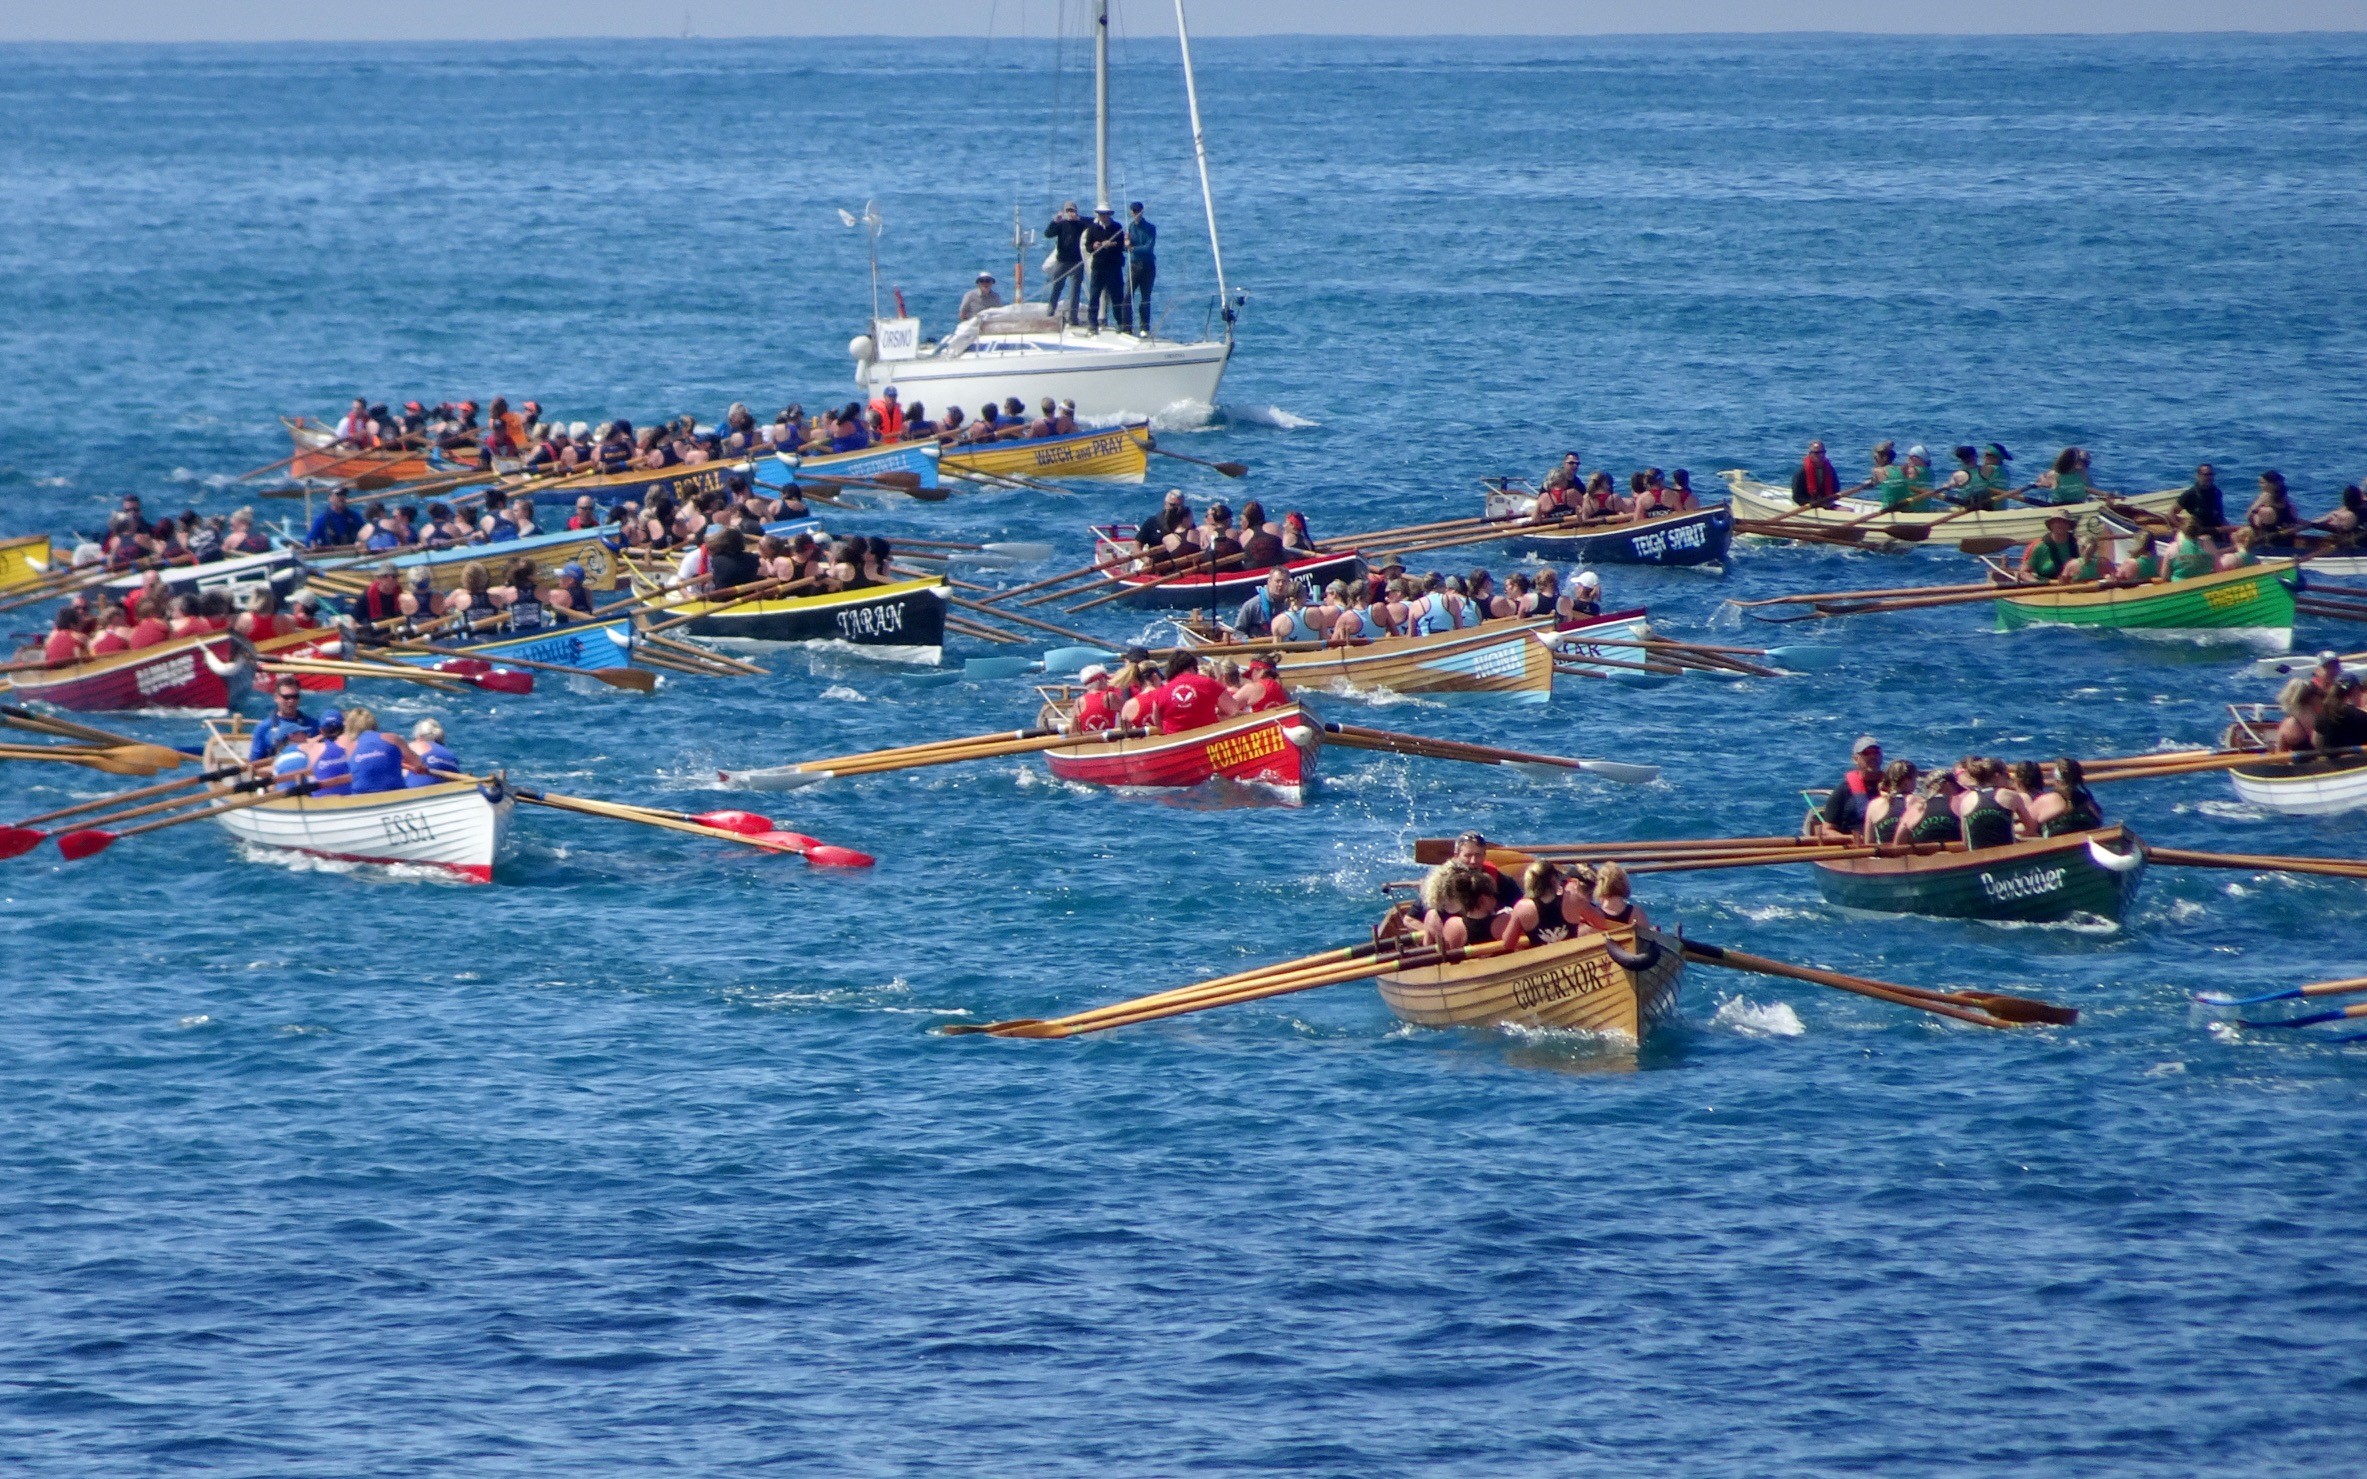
(1864, 743)
(986, 277)
(1589, 579)
(1092, 671)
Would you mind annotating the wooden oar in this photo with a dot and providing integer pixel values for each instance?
(24, 837)
(1320, 958)
(1820, 597)
(631, 678)
(21, 837)
(720, 601)
(754, 826)
(1982, 1008)
(1431, 851)
(780, 842)
(1063, 577)
(1357, 737)
(2306, 1020)
(1291, 976)
(1200, 565)
(160, 756)
(85, 842)
(2177, 857)
(2344, 987)
(427, 677)
(953, 752)
(1229, 469)
(113, 762)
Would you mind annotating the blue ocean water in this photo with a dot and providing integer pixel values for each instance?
(644, 1157)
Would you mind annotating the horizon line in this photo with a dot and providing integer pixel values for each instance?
(1787, 33)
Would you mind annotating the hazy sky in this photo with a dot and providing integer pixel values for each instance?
(289, 20)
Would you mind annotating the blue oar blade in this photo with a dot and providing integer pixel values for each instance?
(987, 668)
(1066, 661)
(1805, 657)
(2305, 1020)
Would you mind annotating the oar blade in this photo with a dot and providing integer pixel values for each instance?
(1986, 544)
(1065, 662)
(1020, 549)
(1909, 533)
(2306, 1019)
(15, 842)
(2215, 999)
(1805, 657)
(748, 823)
(2023, 1009)
(776, 778)
(1621, 771)
(505, 680)
(990, 669)
(824, 855)
(1232, 469)
(84, 843)
(636, 680)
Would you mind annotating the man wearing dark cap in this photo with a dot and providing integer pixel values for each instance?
(980, 298)
(1105, 260)
(1142, 263)
(2203, 500)
(1065, 231)
(1844, 814)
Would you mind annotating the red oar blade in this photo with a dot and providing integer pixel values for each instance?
(17, 841)
(505, 680)
(794, 839)
(746, 823)
(79, 845)
(823, 855)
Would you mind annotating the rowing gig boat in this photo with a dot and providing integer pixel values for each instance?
(607, 489)
(1218, 589)
(2018, 522)
(318, 456)
(201, 673)
(236, 577)
(2304, 785)
(1502, 659)
(456, 827)
(2043, 880)
(2325, 556)
(1698, 536)
(920, 459)
(1605, 644)
(1587, 983)
(2253, 605)
(444, 569)
(23, 560)
(900, 622)
(1110, 455)
(1275, 748)
(594, 645)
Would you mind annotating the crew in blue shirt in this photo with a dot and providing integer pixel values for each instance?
(287, 721)
(335, 525)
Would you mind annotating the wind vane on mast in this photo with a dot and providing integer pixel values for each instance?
(872, 222)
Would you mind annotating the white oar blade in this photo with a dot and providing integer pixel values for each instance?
(985, 669)
(1805, 657)
(777, 778)
(1020, 549)
(1538, 770)
(1622, 772)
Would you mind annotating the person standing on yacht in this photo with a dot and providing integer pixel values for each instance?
(1105, 257)
(1066, 232)
(1142, 263)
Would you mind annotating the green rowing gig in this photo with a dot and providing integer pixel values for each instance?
(2042, 880)
(2253, 604)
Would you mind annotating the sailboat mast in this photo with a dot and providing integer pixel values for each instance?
(1216, 254)
(1101, 105)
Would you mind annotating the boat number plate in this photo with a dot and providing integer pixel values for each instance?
(872, 621)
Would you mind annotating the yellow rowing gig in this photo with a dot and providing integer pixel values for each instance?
(1587, 983)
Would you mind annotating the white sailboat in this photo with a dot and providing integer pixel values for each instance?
(1023, 350)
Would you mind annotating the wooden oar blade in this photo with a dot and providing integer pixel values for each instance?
(1909, 533)
(1986, 544)
(1232, 469)
(637, 680)
(86, 842)
(2022, 1008)
(15, 842)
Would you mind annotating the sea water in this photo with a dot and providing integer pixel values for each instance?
(645, 1157)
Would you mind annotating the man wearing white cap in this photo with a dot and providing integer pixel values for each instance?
(980, 298)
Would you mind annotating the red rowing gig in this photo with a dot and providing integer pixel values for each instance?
(1274, 747)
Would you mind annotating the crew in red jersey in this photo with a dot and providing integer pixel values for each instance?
(1262, 690)
(1189, 699)
(1097, 706)
(64, 646)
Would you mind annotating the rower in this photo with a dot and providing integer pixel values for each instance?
(524, 611)
(2143, 565)
(1584, 600)
(1652, 501)
(1889, 808)
(1931, 816)
(331, 767)
(2272, 516)
(2067, 805)
(2298, 730)
(1549, 909)
(572, 594)
(335, 525)
(2340, 723)
(2067, 481)
(64, 646)
(1989, 809)
(1046, 410)
(1600, 500)
(1843, 817)
(1680, 491)
(1479, 588)
(2045, 559)
(1461, 906)
(428, 756)
(1189, 699)
(1267, 605)
(1615, 907)
(1096, 709)
(2194, 552)
(2202, 500)
(374, 758)
(1295, 538)
(1216, 536)
(1262, 689)
(1174, 517)
(383, 599)
(729, 564)
(286, 721)
(1357, 625)
(1065, 423)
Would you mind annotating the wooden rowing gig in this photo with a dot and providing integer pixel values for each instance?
(2304, 785)
(454, 827)
(2044, 880)
(1587, 983)
(2253, 604)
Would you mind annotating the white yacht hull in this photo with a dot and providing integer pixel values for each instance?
(1108, 375)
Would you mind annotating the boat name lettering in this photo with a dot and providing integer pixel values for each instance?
(2022, 885)
(2225, 596)
(871, 621)
(410, 827)
(1108, 444)
(568, 650)
(1561, 983)
(1242, 749)
(158, 676)
(1652, 544)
